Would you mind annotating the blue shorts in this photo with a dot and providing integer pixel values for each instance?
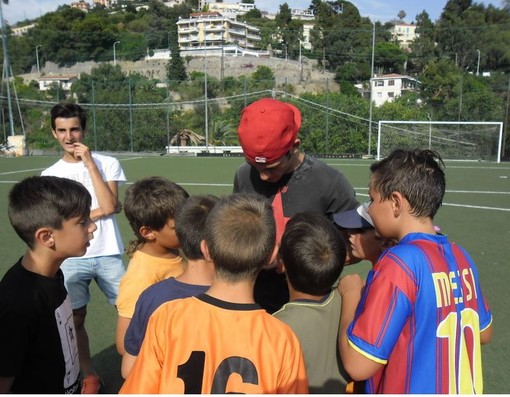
(107, 271)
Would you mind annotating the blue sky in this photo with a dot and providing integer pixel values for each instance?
(376, 10)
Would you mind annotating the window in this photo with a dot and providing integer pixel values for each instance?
(391, 95)
(391, 82)
(379, 83)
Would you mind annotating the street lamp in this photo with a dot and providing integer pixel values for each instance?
(478, 64)
(114, 58)
(37, 57)
(300, 62)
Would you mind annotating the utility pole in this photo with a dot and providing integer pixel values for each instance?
(6, 73)
(300, 63)
(371, 92)
(205, 93)
(222, 74)
(37, 57)
(461, 92)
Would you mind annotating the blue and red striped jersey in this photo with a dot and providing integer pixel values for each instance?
(421, 315)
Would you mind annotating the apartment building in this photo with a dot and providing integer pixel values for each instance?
(81, 5)
(232, 11)
(386, 88)
(212, 29)
(404, 33)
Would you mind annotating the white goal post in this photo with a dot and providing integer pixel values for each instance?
(453, 140)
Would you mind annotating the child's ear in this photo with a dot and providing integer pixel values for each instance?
(205, 251)
(45, 237)
(397, 203)
(147, 233)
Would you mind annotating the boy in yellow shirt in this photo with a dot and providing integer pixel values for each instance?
(150, 206)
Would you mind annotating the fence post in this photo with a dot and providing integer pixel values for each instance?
(130, 115)
(327, 115)
(168, 120)
(94, 114)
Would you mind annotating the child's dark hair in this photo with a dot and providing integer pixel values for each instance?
(68, 111)
(190, 224)
(151, 202)
(240, 232)
(313, 253)
(417, 174)
(45, 201)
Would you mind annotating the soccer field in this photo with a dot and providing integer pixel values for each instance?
(475, 214)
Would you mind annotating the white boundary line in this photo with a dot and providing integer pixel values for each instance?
(357, 189)
(448, 167)
(21, 171)
(481, 207)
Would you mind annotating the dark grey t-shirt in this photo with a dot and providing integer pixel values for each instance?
(313, 186)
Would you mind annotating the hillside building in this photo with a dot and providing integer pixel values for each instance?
(212, 30)
(22, 30)
(386, 88)
(64, 82)
(81, 5)
(404, 33)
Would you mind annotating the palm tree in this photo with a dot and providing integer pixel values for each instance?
(223, 134)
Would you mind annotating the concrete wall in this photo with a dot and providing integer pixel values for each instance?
(310, 79)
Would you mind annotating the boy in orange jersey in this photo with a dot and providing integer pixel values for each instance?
(222, 341)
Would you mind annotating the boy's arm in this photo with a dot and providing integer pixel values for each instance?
(128, 361)
(145, 375)
(6, 384)
(486, 335)
(106, 210)
(106, 191)
(120, 333)
(357, 365)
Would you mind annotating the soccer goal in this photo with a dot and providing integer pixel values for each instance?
(477, 141)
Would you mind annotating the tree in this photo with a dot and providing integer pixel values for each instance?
(459, 32)
(423, 46)
(473, 100)
(253, 15)
(438, 82)
(352, 72)
(401, 15)
(343, 38)
(284, 16)
(175, 68)
(389, 57)
(290, 31)
(263, 77)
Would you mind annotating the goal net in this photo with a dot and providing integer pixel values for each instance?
(477, 141)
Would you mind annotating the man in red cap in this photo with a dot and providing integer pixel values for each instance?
(292, 180)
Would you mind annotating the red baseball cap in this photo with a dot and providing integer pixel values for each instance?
(268, 129)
